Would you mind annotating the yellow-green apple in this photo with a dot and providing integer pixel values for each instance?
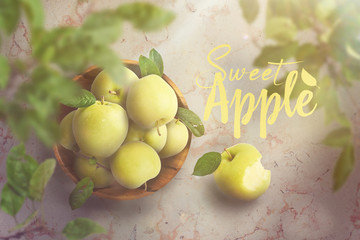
(97, 170)
(151, 102)
(155, 137)
(67, 139)
(134, 164)
(103, 85)
(177, 138)
(241, 174)
(100, 129)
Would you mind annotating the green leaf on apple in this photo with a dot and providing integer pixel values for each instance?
(84, 99)
(80, 228)
(157, 59)
(40, 178)
(11, 202)
(207, 164)
(81, 193)
(19, 169)
(191, 121)
(148, 66)
(5, 71)
(344, 166)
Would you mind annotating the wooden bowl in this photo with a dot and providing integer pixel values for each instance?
(169, 166)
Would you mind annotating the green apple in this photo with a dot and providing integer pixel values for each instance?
(155, 137)
(97, 170)
(134, 164)
(241, 174)
(67, 139)
(177, 138)
(103, 85)
(151, 102)
(100, 129)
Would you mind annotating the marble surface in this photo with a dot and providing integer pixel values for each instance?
(299, 203)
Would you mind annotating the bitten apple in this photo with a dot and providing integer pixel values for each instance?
(241, 174)
(151, 102)
(100, 129)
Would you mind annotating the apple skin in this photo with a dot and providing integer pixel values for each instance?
(151, 102)
(100, 129)
(134, 164)
(99, 172)
(243, 177)
(177, 138)
(149, 136)
(103, 83)
(67, 139)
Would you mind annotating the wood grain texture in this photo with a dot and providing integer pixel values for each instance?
(169, 166)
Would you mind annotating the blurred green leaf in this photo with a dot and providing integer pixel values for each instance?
(84, 99)
(344, 166)
(207, 164)
(281, 29)
(250, 9)
(145, 16)
(26, 222)
(312, 57)
(147, 67)
(338, 138)
(324, 8)
(191, 121)
(19, 169)
(11, 202)
(275, 54)
(9, 15)
(35, 13)
(40, 178)
(81, 228)
(4, 72)
(83, 190)
(279, 88)
(157, 59)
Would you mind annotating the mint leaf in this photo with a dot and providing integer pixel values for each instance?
(250, 9)
(157, 59)
(344, 166)
(4, 72)
(84, 99)
(81, 193)
(191, 121)
(147, 67)
(40, 178)
(19, 169)
(11, 202)
(9, 15)
(145, 16)
(81, 228)
(207, 164)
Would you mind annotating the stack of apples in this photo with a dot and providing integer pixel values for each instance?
(123, 136)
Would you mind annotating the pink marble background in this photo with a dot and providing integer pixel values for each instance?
(299, 203)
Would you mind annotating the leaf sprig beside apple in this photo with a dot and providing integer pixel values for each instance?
(120, 132)
(238, 171)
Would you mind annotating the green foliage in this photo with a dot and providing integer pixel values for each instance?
(26, 222)
(81, 228)
(335, 49)
(83, 190)
(157, 59)
(250, 9)
(191, 121)
(148, 66)
(5, 71)
(84, 99)
(40, 178)
(11, 202)
(207, 164)
(9, 15)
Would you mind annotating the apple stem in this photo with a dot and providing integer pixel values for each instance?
(102, 100)
(176, 120)
(145, 187)
(112, 92)
(157, 128)
(228, 153)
